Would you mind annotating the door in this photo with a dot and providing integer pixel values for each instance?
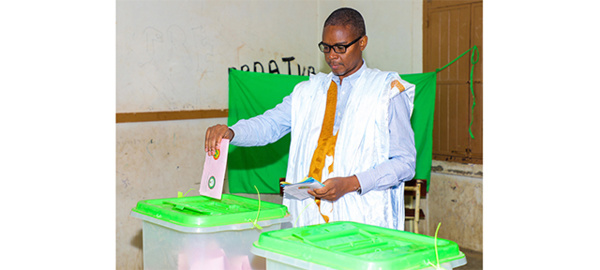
(451, 28)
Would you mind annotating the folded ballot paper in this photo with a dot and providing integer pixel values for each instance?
(213, 175)
(299, 191)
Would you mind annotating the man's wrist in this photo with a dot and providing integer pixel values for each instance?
(230, 134)
(355, 184)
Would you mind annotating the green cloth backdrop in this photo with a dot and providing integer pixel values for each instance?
(252, 93)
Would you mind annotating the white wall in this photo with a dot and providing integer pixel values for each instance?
(174, 55)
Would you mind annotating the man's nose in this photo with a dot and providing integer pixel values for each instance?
(332, 54)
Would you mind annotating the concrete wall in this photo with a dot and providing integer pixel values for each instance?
(174, 55)
(455, 199)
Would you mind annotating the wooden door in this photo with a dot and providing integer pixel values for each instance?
(451, 28)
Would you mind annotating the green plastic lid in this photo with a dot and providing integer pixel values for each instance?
(202, 211)
(350, 245)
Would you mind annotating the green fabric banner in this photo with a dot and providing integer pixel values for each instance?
(422, 120)
(252, 94)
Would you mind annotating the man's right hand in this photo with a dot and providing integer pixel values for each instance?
(213, 138)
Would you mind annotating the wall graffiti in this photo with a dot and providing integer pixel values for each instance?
(274, 68)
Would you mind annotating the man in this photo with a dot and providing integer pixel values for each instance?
(350, 129)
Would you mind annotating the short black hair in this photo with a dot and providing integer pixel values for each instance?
(347, 16)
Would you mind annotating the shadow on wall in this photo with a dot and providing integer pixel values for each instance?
(137, 240)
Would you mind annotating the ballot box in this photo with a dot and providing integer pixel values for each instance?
(349, 245)
(200, 232)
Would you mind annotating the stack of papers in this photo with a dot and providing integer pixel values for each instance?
(299, 191)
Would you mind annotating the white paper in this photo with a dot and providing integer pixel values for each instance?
(299, 191)
(213, 175)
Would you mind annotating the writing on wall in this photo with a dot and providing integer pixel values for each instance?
(272, 67)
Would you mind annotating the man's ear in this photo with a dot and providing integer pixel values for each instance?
(363, 43)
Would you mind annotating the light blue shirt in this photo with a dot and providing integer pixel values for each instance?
(276, 123)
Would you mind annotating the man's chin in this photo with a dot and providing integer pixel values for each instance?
(338, 73)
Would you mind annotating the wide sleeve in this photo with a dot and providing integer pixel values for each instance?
(265, 128)
(402, 153)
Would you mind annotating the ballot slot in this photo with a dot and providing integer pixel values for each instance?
(207, 208)
(346, 239)
(184, 206)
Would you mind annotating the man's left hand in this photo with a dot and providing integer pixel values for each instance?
(335, 188)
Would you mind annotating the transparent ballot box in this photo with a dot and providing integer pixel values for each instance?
(204, 233)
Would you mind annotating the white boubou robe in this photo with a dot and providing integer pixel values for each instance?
(362, 143)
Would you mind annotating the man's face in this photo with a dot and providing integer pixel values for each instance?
(343, 64)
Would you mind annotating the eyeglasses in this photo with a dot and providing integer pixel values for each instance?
(326, 48)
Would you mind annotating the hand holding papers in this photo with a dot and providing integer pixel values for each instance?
(299, 191)
(213, 175)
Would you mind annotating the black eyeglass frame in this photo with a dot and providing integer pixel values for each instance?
(323, 46)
